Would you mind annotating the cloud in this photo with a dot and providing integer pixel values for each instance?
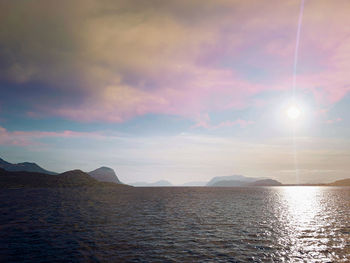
(29, 138)
(178, 158)
(116, 60)
(239, 122)
(332, 121)
(203, 121)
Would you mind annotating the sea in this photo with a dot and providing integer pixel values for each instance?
(175, 224)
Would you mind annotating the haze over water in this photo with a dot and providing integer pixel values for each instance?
(174, 92)
(178, 90)
(271, 224)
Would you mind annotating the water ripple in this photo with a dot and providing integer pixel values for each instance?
(278, 224)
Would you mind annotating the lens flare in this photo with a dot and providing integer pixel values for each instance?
(293, 112)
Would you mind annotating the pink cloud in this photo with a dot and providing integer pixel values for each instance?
(207, 90)
(178, 63)
(336, 120)
(204, 122)
(239, 122)
(199, 84)
(29, 138)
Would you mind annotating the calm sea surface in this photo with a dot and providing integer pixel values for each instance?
(277, 224)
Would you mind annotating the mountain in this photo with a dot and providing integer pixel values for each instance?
(265, 182)
(4, 163)
(236, 183)
(241, 181)
(158, 183)
(195, 183)
(105, 174)
(74, 178)
(26, 166)
(240, 178)
(229, 183)
(344, 182)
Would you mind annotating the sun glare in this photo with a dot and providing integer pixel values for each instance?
(293, 112)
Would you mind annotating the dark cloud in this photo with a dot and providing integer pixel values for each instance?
(114, 60)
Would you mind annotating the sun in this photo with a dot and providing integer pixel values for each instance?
(293, 112)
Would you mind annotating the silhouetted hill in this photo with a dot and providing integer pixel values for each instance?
(76, 178)
(26, 166)
(158, 183)
(3, 163)
(195, 183)
(237, 178)
(265, 182)
(344, 182)
(105, 174)
(72, 178)
(237, 183)
(229, 183)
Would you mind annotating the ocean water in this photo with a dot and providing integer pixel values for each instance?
(272, 224)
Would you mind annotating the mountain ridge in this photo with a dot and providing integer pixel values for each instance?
(157, 183)
(239, 178)
(72, 178)
(105, 174)
(24, 166)
(342, 182)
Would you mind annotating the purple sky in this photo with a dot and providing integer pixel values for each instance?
(176, 90)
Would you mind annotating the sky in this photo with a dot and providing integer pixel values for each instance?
(177, 90)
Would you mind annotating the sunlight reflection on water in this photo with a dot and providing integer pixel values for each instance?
(309, 224)
(266, 224)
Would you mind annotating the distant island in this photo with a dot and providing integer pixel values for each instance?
(344, 182)
(25, 166)
(243, 181)
(74, 178)
(158, 183)
(29, 174)
(32, 175)
(105, 174)
(235, 183)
